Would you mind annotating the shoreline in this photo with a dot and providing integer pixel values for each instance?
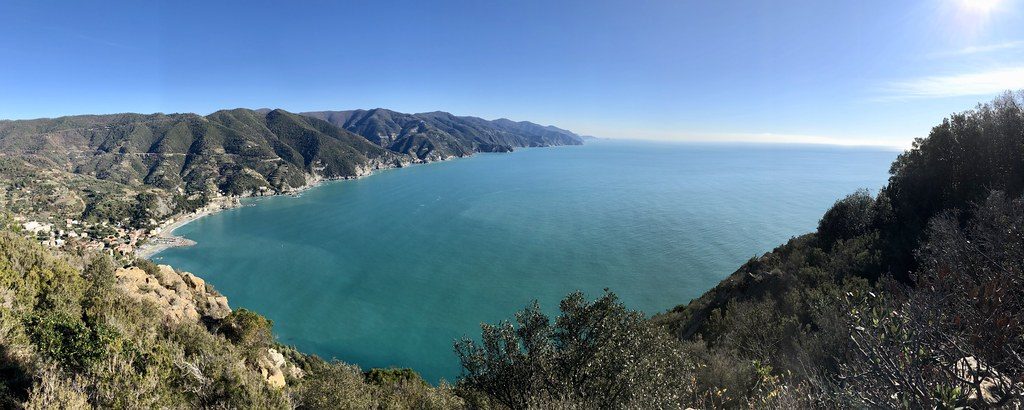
(166, 239)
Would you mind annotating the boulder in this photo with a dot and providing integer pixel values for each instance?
(272, 366)
(988, 385)
(216, 307)
(276, 358)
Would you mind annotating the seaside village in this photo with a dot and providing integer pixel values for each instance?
(120, 239)
(114, 239)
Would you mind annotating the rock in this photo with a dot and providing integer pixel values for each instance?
(181, 296)
(276, 358)
(272, 367)
(990, 387)
(295, 372)
(169, 278)
(274, 376)
(194, 282)
(217, 307)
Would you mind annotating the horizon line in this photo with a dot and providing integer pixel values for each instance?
(846, 144)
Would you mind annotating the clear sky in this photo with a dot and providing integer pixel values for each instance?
(875, 72)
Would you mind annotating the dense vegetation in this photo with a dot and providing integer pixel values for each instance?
(911, 298)
(889, 302)
(186, 159)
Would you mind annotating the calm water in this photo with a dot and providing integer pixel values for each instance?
(388, 270)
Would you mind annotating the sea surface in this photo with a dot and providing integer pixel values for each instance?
(388, 270)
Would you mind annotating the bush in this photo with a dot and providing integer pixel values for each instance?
(334, 386)
(384, 377)
(848, 218)
(69, 341)
(246, 328)
(99, 275)
(53, 391)
(596, 355)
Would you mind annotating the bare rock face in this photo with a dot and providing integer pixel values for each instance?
(273, 367)
(196, 283)
(181, 296)
(273, 374)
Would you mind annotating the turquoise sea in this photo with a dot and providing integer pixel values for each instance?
(388, 270)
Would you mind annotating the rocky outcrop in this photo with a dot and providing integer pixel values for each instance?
(180, 295)
(274, 368)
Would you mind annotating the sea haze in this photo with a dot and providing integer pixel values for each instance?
(389, 270)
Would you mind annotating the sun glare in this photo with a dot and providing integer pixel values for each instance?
(979, 6)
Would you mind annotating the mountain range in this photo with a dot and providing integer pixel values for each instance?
(95, 167)
(244, 151)
(439, 135)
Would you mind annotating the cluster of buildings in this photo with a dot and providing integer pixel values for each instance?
(115, 240)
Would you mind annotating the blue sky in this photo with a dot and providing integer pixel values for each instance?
(863, 72)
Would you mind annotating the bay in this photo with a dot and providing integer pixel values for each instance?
(388, 270)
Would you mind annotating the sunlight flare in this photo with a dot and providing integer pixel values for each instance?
(979, 6)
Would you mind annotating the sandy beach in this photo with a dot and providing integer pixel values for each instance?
(166, 239)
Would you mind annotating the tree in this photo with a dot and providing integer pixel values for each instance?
(100, 279)
(849, 218)
(595, 355)
(962, 159)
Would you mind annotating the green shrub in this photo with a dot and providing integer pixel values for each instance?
(246, 328)
(334, 386)
(99, 275)
(384, 377)
(69, 341)
(596, 354)
(848, 218)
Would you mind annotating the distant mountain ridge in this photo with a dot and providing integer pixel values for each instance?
(439, 135)
(243, 151)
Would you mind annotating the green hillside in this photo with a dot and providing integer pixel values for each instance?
(186, 159)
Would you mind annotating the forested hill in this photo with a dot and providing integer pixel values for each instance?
(94, 166)
(438, 135)
(239, 151)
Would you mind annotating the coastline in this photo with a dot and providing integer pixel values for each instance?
(166, 239)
